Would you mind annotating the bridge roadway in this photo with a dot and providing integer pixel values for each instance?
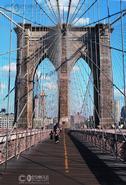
(53, 164)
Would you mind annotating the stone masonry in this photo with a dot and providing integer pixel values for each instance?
(64, 47)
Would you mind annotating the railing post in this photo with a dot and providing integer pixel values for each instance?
(0, 156)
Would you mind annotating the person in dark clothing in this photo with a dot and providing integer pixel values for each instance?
(55, 127)
(56, 137)
(56, 132)
(51, 135)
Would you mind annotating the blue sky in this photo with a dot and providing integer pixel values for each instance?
(45, 81)
(33, 13)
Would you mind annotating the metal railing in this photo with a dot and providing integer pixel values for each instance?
(114, 144)
(19, 142)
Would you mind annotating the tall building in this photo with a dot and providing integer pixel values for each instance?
(5, 119)
(117, 111)
(77, 120)
(40, 110)
(36, 105)
(42, 104)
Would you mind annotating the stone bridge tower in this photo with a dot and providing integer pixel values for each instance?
(64, 47)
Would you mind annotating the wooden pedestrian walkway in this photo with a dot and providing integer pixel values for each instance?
(49, 163)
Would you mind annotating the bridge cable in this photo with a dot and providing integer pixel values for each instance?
(74, 16)
(58, 9)
(103, 74)
(33, 67)
(68, 13)
(16, 14)
(75, 21)
(100, 95)
(52, 8)
(44, 12)
(75, 10)
(123, 56)
(106, 17)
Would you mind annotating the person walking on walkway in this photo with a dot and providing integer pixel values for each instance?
(56, 136)
(56, 132)
(51, 135)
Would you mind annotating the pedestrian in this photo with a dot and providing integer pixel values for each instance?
(51, 135)
(55, 127)
(56, 137)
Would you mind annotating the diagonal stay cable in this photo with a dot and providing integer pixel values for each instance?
(118, 18)
(58, 8)
(79, 50)
(75, 21)
(110, 113)
(11, 20)
(18, 15)
(52, 8)
(75, 10)
(106, 17)
(50, 45)
(76, 13)
(44, 12)
(110, 47)
(68, 13)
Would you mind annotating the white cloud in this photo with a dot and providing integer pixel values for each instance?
(63, 4)
(41, 76)
(2, 86)
(117, 93)
(38, 74)
(45, 77)
(6, 67)
(75, 68)
(82, 21)
(51, 86)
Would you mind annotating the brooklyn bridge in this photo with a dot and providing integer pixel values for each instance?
(63, 92)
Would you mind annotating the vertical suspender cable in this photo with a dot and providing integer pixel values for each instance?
(123, 56)
(9, 83)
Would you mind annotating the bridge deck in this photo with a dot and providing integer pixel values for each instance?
(61, 163)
